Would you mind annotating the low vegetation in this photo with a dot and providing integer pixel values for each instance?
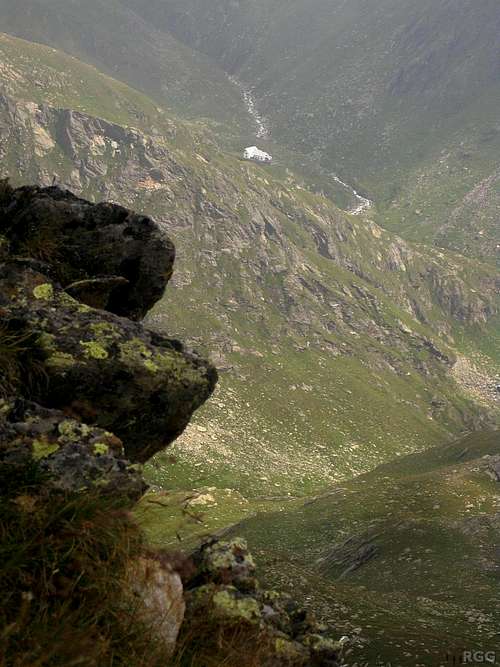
(20, 358)
(64, 560)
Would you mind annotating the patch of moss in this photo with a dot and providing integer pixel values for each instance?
(43, 449)
(286, 649)
(60, 361)
(229, 605)
(134, 350)
(104, 331)
(94, 350)
(100, 449)
(151, 366)
(72, 430)
(44, 291)
(46, 342)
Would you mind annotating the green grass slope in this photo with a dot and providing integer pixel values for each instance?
(32, 73)
(407, 555)
(115, 39)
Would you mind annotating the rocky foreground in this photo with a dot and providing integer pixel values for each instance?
(88, 394)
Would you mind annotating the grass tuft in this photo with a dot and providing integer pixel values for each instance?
(206, 642)
(20, 360)
(63, 563)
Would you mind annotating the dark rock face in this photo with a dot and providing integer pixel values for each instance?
(83, 241)
(107, 391)
(107, 370)
(74, 455)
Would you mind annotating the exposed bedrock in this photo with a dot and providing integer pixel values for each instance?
(126, 391)
(103, 253)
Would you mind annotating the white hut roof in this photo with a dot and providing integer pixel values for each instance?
(253, 150)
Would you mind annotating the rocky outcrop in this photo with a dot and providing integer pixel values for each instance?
(104, 369)
(104, 254)
(455, 297)
(98, 369)
(225, 590)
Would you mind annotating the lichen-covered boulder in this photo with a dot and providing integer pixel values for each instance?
(103, 369)
(72, 456)
(226, 603)
(223, 588)
(81, 242)
(228, 611)
(227, 562)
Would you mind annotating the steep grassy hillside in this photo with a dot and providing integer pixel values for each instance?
(396, 96)
(407, 555)
(122, 44)
(337, 341)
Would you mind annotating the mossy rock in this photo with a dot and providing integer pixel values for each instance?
(107, 370)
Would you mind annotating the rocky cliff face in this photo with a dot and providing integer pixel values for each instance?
(85, 394)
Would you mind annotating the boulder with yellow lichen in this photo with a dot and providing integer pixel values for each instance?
(104, 369)
(95, 364)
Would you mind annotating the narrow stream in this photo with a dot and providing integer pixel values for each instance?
(363, 205)
(262, 126)
(263, 132)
